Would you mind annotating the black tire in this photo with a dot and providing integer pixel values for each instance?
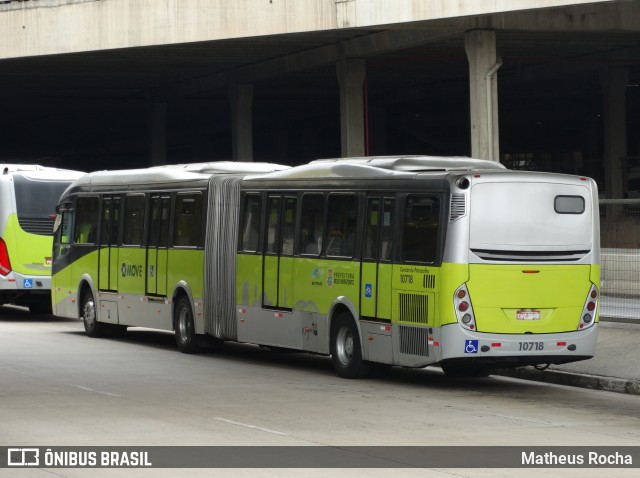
(92, 327)
(185, 330)
(346, 353)
(470, 370)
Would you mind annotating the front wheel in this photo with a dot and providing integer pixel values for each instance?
(346, 353)
(185, 330)
(92, 327)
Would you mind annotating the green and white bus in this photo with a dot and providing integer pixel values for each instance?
(28, 198)
(407, 261)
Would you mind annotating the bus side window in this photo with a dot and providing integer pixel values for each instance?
(312, 224)
(133, 226)
(371, 229)
(251, 215)
(420, 233)
(387, 229)
(273, 221)
(289, 225)
(86, 220)
(188, 219)
(62, 237)
(342, 218)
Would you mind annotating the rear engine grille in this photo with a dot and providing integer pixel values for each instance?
(458, 207)
(41, 226)
(529, 256)
(414, 341)
(414, 308)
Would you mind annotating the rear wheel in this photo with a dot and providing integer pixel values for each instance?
(92, 327)
(185, 330)
(346, 353)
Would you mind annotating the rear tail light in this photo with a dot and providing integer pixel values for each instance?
(464, 310)
(589, 310)
(5, 263)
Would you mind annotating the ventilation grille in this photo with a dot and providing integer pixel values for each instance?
(458, 208)
(414, 308)
(414, 341)
(429, 281)
(529, 256)
(41, 226)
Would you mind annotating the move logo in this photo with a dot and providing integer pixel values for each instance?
(131, 270)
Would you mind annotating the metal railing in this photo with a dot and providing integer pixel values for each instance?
(620, 258)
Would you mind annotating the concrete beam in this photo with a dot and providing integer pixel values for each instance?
(361, 47)
(351, 74)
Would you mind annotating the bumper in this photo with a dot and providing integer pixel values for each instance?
(515, 350)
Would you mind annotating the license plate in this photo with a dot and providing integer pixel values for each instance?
(528, 314)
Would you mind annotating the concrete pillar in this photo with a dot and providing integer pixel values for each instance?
(241, 98)
(480, 46)
(614, 115)
(351, 73)
(158, 134)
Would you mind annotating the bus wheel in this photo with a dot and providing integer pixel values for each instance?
(346, 353)
(92, 327)
(185, 330)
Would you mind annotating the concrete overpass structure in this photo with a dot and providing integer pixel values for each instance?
(543, 84)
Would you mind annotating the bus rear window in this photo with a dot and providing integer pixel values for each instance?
(569, 204)
(36, 203)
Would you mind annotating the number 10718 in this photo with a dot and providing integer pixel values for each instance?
(531, 346)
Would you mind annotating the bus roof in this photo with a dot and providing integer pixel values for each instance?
(170, 173)
(399, 167)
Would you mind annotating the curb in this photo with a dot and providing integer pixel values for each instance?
(609, 384)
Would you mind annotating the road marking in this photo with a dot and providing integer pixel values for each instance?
(246, 425)
(96, 391)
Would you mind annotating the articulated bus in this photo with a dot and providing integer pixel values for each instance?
(28, 198)
(408, 261)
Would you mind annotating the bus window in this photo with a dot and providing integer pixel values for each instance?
(420, 234)
(86, 220)
(312, 226)
(341, 225)
(371, 229)
(133, 226)
(387, 229)
(61, 234)
(273, 213)
(288, 231)
(188, 219)
(251, 222)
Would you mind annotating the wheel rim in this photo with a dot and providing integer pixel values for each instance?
(344, 346)
(184, 325)
(90, 313)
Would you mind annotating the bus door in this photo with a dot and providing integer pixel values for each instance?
(110, 227)
(277, 276)
(376, 271)
(157, 245)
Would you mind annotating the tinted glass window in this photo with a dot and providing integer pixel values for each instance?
(251, 214)
(311, 224)
(273, 220)
(86, 226)
(288, 225)
(420, 232)
(133, 227)
(342, 218)
(569, 204)
(188, 220)
(37, 198)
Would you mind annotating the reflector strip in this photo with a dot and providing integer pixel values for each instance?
(561, 344)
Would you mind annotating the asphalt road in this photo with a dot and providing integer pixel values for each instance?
(61, 388)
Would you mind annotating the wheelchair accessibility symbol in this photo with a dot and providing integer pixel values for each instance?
(368, 290)
(471, 347)
(28, 284)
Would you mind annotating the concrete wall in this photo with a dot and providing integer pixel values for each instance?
(41, 27)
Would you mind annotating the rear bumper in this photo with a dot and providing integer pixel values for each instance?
(517, 349)
(25, 283)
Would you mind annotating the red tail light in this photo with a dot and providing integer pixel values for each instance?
(5, 263)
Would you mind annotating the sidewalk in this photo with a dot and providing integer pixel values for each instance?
(615, 367)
